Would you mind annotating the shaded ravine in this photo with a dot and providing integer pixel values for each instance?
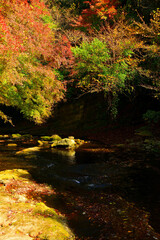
(83, 175)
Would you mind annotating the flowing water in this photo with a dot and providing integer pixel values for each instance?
(87, 171)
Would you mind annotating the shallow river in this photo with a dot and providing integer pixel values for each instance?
(85, 171)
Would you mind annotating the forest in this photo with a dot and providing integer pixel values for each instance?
(79, 119)
(52, 51)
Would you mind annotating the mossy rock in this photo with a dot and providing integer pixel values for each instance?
(28, 151)
(64, 143)
(46, 138)
(16, 135)
(56, 137)
(26, 218)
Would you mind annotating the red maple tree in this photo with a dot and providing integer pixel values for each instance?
(29, 54)
(102, 9)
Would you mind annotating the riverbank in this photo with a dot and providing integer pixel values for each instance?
(23, 211)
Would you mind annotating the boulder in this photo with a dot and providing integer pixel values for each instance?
(64, 143)
(16, 135)
(56, 137)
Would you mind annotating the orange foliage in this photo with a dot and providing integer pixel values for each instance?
(103, 9)
(23, 28)
(29, 54)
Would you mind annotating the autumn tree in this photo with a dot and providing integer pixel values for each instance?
(97, 11)
(28, 59)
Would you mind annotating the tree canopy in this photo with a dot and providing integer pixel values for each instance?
(74, 47)
(28, 59)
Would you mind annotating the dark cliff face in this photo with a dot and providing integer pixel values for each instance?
(83, 113)
(88, 113)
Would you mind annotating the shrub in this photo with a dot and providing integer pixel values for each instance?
(98, 69)
(149, 67)
(151, 116)
(149, 32)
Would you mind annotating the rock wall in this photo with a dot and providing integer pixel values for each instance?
(84, 113)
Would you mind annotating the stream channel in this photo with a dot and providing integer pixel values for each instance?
(85, 172)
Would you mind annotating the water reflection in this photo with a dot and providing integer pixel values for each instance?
(69, 155)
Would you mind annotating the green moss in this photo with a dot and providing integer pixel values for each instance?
(17, 135)
(56, 137)
(46, 138)
(24, 217)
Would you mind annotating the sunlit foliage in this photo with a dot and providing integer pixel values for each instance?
(98, 10)
(108, 62)
(27, 59)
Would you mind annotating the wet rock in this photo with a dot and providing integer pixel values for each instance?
(28, 151)
(12, 145)
(16, 135)
(64, 143)
(44, 144)
(79, 142)
(4, 136)
(56, 137)
(46, 138)
(71, 137)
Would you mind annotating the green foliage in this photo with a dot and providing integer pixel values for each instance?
(37, 92)
(96, 68)
(49, 21)
(152, 116)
